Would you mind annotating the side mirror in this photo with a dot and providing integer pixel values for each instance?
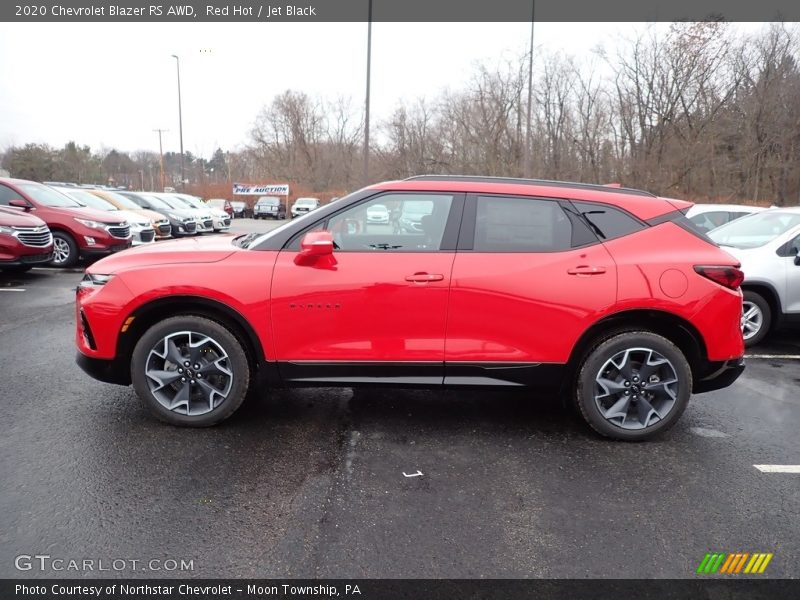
(797, 258)
(317, 243)
(17, 203)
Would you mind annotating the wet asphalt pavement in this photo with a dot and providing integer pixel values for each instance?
(312, 483)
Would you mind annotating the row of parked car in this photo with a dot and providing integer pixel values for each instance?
(58, 225)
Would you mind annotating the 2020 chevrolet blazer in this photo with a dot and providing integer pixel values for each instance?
(608, 296)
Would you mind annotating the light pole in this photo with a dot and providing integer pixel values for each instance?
(180, 118)
(366, 110)
(526, 168)
(161, 155)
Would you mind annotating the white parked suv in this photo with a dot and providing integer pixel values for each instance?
(302, 206)
(768, 246)
(711, 216)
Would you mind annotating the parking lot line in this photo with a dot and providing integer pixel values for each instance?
(789, 356)
(12, 289)
(778, 468)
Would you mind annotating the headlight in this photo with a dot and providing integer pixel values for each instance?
(8, 230)
(94, 280)
(90, 224)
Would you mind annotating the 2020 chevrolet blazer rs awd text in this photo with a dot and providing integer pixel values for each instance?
(608, 296)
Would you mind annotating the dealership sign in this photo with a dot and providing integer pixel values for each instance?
(246, 189)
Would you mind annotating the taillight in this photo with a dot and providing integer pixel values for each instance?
(729, 277)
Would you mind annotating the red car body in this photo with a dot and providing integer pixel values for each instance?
(25, 240)
(446, 317)
(112, 235)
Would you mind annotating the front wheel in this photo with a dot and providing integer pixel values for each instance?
(756, 318)
(190, 371)
(65, 250)
(633, 386)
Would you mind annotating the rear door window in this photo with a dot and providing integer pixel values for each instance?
(518, 224)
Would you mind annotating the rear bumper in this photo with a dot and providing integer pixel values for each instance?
(107, 371)
(721, 375)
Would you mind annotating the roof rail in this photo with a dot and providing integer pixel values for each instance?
(521, 181)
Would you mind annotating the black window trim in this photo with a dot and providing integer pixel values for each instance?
(466, 241)
(450, 235)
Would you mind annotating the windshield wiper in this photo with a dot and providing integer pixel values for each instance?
(244, 240)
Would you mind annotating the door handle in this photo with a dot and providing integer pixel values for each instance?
(586, 270)
(424, 277)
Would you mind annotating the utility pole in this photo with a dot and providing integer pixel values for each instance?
(526, 168)
(180, 119)
(161, 154)
(366, 111)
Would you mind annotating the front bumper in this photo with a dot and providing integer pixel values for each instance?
(107, 371)
(93, 251)
(221, 223)
(27, 260)
(205, 226)
(143, 236)
(720, 375)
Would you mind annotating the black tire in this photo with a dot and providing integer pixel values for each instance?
(61, 237)
(592, 367)
(758, 301)
(236, 362)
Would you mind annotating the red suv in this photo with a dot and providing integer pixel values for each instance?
(25, 241)
(78, 231)
(608, 296)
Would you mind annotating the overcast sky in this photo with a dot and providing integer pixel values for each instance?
(110, 84)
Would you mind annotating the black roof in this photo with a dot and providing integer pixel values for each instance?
(521, 181)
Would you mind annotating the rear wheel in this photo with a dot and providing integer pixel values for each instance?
(756, 318)
(190, 371)
(65, 250)
(633, 386)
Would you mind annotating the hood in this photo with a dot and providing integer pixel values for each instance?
(150, 214)
(92, 214)
(11, 217)
(185, 251)
(133, 217)
(218, 212)
(183, 213)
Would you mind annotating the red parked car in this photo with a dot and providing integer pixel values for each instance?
(25, 241)
(78, 231)
(608, 296)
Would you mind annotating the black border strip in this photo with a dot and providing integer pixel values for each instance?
(476, 11)
(735, 587)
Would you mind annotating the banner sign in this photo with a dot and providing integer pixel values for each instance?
(245, 189)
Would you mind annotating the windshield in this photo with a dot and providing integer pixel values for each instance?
(123, 201)
(268, 202)
(154, 201)
(89, 199)
(755, 230)
(180, 202)
(172, 202)
(187, 201)
(305, 202)
(48, 196)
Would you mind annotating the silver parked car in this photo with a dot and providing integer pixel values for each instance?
(711, 216)
(767, 244)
